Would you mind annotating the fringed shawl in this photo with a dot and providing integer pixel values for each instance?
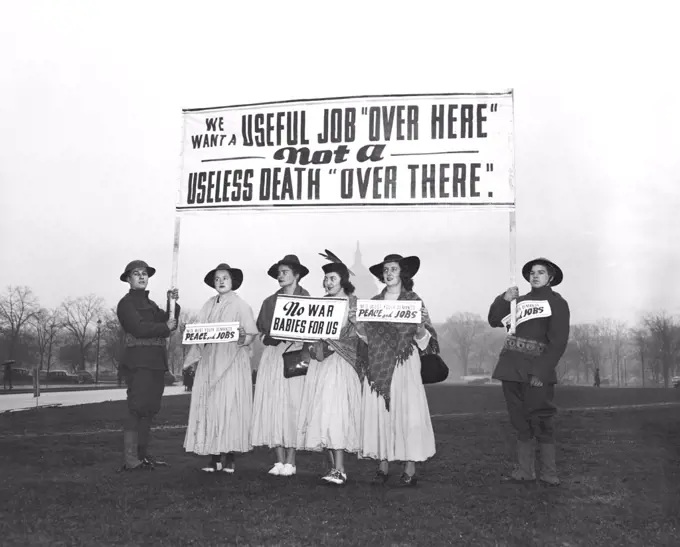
(390, 345)
(347, 345)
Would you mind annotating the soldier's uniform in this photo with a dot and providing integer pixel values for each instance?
(143, 367)
(540, 339)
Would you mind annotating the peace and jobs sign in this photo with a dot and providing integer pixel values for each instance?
(211, 333)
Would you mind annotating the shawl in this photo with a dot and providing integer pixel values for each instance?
(389, 345)
(266, 315)
(221, 309)
(347, 345)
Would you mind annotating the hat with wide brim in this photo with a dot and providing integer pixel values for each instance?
(235, 273)
(410, 263)
(289, 260)
(136, 264)
(558, 276)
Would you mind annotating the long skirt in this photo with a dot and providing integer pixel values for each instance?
(330, 416)
(405, 432)
(221, 408)
(277, 400)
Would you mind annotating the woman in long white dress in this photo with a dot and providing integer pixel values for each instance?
(277, 399)
(222, 393)
(331, 402)
(396, 424)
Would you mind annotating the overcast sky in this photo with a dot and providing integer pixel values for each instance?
(92, 96)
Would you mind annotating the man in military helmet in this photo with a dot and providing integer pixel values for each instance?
(527, 363)
(145, 361)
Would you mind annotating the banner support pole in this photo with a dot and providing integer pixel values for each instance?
(513, 223)
(175, 258)
(513, 260)
(175, 245)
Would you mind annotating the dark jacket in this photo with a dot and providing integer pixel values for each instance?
(540, 338)
(146, 331)
(266, 315)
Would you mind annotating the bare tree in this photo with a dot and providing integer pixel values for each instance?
(80, 317)
(483, 348)
(17, 307)
(665, 334)
(570, 363)
(112, 338)
(463, 329)
(643, 345)
(613, 336)
(47, 325)
(588, 340)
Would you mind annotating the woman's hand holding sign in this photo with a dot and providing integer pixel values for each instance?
(424, 316)
(241, 337)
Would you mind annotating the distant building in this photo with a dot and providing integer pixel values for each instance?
(363, 280)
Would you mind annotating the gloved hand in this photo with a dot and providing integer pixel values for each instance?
(269, 341)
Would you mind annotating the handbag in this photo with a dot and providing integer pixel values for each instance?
(433, 369)
(294, 364)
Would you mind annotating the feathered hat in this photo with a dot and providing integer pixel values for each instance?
(336, 265)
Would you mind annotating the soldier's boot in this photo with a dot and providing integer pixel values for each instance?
(548, 474)
(131, 461)
(143, 445)
(525, 471)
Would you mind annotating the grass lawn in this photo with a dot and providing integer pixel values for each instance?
(621, 473)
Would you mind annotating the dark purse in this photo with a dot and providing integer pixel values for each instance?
(433, 369)
(294, 364)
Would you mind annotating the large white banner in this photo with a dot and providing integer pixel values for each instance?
(378, 151)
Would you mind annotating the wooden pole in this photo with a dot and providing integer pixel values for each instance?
(513, 223)
(175, 245)
(175, 258)
(513, 280)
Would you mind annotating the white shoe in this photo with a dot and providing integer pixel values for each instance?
(327, 476)
(217, 466)
(288, 470)
(336, 477)
(277, 469)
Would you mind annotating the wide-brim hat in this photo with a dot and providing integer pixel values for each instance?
(289, 260)
(235, 273)
(558, 276)
(410, 263)
(136, 264)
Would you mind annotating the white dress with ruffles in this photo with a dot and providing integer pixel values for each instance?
(222, 394)
(404, 433)
(330, 415)
(277, 400)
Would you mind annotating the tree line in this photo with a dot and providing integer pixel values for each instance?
(647, 353)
